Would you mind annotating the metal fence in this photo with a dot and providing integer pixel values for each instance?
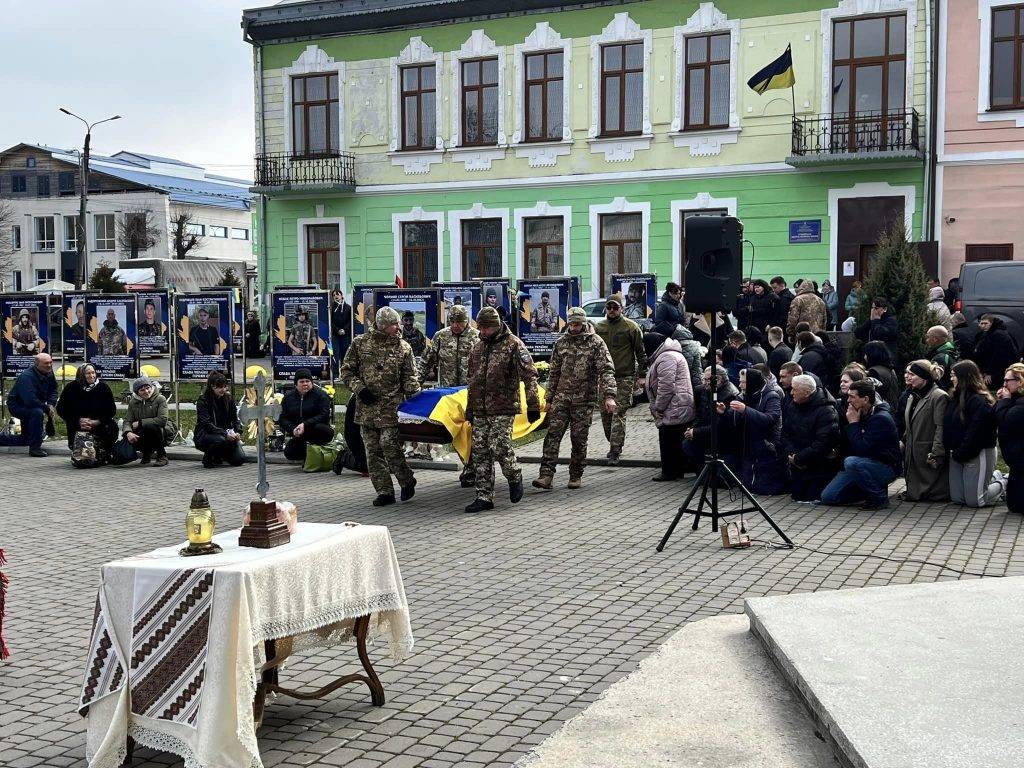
(865, 132)
(279, 169)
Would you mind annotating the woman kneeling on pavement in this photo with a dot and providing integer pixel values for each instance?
(87, 405)
(922, 413)
(969, 433)
(218, 431)
(147, 426)
(1009, 413)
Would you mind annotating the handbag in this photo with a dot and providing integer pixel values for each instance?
(85, 452)
(123, 453)
(319, 458)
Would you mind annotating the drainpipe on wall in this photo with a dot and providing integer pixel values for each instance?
(262, 266)
(932, 11)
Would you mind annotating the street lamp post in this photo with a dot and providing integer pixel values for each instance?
(80, 241)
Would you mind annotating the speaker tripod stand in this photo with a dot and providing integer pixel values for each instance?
(715, 471)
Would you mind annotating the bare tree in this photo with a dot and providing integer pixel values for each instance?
(7, 255)
(136, 231)
(184, 237)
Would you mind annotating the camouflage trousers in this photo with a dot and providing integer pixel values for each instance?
(385, 457)
(577, 419)
(615, 423)
(492, 442)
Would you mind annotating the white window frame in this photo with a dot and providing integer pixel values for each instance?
(619, 149)
(540, 210)
(46, 275)
(303, 241)
(313, 61)
(243, 230)
(478, 46)
(706, 20)
(105, 243)
(618, 205)
(417, 214)
(542, 154)
(196, 229)
(985, 8)
(478, 211)
(39, 246)
(851, 9)
(70, 232)
(16, 237)
(16, 280)
(702, 202)
(214, 228)
(416, 161)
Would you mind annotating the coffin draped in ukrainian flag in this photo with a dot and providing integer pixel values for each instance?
(446, 406)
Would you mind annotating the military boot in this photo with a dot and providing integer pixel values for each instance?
(479, 505)
(574, 483)
(384, 500)
(515, 489)
(543, 482)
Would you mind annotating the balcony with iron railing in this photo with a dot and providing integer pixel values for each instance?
(281, 173)
(856, 137)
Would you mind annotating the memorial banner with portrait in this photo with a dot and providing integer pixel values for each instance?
(74, 324)
(154, 312)
(419, 313)
(26, 331)
(497, 292)
(542, 307)
(300, 333)
(639, 293)
(467, 293)
(112, 342)
(202, 323)
(236, 312)
(362, 306)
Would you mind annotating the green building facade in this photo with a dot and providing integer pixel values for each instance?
(433, 144)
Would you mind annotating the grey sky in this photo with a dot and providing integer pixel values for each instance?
(176, 70)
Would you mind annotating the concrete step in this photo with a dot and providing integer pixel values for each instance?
(709, 697)
(922, 675)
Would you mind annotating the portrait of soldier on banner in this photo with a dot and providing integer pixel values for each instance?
(544, 318)
(25, 338)
(76, 323)
(111, 338)
(149, 324)
(413, 316)
(203, 336)
(636, 300)
(301, 335)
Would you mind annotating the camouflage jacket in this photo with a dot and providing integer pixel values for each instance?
(545, 319)
(304, 338)
(449, 355)
(496, 366)
(111, 340)
(625, 343)
(384, 365)
(808, 308)
(581, 370)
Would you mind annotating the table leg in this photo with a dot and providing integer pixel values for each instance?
(372, 681)
(129, 751)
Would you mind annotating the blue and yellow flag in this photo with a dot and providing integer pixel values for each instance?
(778, 74)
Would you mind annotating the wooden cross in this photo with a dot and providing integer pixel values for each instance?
(259, 406)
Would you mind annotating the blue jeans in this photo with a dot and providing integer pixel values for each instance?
(861, 480)
(31, 428)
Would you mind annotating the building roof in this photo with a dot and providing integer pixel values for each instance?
(182, 182)
(326, 18)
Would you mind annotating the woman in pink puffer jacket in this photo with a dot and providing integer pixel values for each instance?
(671, 398)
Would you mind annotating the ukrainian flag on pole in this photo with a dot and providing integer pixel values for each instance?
(778, 74)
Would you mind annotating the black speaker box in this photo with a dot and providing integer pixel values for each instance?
(714, 263)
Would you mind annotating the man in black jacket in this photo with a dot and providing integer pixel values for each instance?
(781, 353)
(964, 336)
(995, 349)
(881, 326)
(341, 329)
(307, 416)
(669, 312)
(783, 298)
(810, 435)
(813, 356)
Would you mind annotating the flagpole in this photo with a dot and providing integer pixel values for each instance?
(792, 88)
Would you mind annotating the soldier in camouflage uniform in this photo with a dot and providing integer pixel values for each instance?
(302, 337)
(545, 319)
(625, 343)
(448, 353)
(498, 363)
(380, 370)
(581, 373)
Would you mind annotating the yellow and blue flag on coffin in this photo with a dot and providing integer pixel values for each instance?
(778, 74)
(447, 407)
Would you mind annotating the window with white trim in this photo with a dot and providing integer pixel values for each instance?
(544, 88)
(622, 89)
(70, 233)
(16, 237)
(45, 275)
(479, 102)
(44, 237)
(706, 81)
(217, 231)
(419, 253)
(545, 246)
(316, 115)
(621, 246)
(239, 233)
(419, 106)
(1006, 84)
(16, 280)
(199, 230)
(481, 248)
(103, 228)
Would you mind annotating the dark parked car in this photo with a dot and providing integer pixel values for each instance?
(995, 287)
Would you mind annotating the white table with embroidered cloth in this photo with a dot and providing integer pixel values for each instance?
(178, 642)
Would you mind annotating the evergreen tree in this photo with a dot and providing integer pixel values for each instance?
(103, 279)
(897, 274)
(229, 277)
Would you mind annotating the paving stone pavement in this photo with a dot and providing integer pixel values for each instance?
(522, 616)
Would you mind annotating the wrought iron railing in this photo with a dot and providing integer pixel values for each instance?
(280, 169)
(864, 132)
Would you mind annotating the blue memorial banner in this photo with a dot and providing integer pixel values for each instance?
(639, 292)
(362, 306)
(804, 231)
(467, 293)
(202, 330)
(497, 292)
(419, 312)
(154, 311)
(74, 324)
(236, 311)
(26, 331)
(300, 331)
(112, 341)
(542, 306)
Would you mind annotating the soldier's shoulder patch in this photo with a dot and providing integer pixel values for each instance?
(524, 355)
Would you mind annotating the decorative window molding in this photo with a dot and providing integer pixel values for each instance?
(701, 202)
(478, 46)
(416, 52)
(541, 209)
(848, 9)
(985, 8)
(542, 154)
(302, 240)
(478, 211)
(418, 214)
(705, 143)
(621, 29)
(313, 61)
(618, 205)
(865, 189)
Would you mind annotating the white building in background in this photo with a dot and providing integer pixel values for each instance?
(43, 185)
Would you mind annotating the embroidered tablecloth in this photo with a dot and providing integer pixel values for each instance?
(177, 642)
